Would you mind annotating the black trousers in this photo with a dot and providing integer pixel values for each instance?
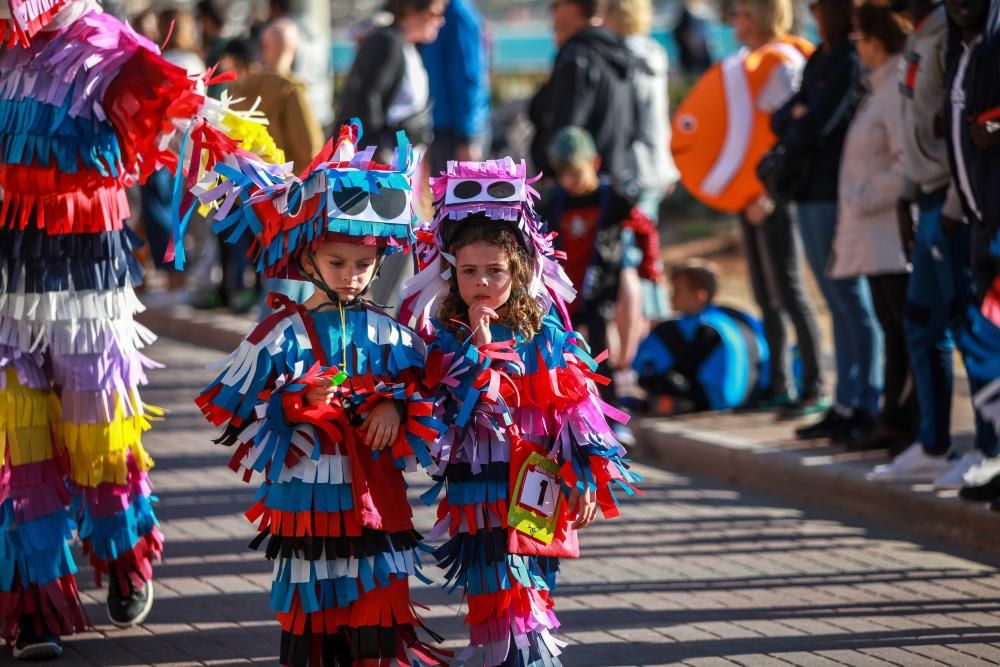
(775, 262)
(900, 409)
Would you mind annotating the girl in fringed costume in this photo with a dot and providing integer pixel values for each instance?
(528, 457)
(87, 108)
(323, 399)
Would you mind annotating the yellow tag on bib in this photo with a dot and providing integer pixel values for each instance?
(537, 499)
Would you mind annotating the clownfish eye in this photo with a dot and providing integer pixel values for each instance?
(389, 203)
(687, 123)
(467, 189)
(500, 190)
(352, 201)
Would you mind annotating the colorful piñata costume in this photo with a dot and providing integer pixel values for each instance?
(333, 514)
(526, 426)
(87, 108)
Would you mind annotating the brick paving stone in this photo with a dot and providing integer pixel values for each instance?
(950, 656)
(905, 658)
(694, 573)
(853, 658)
(803, 659)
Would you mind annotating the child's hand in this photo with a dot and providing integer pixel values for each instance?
(381, 426)
(480, 316)
(583, 507)
(320, 394)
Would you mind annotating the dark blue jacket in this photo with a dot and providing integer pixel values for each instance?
(458, 70)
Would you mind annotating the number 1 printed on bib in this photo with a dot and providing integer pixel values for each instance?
(538, 496)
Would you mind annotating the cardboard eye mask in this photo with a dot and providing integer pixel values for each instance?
(484, 190)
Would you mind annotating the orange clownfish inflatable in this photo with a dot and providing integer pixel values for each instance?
(722, 128)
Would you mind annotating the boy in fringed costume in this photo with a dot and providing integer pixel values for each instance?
(323, 400)
(528, 457)
(87, 108)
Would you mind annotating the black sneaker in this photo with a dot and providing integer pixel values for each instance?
(30, 645)
(828, 426)
(856, 427)
(983, 493)
(882, 437)
(126, 611)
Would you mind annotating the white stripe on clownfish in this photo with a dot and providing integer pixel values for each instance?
(739, 116)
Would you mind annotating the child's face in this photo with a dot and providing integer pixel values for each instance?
(484, 275)
(347, 268)
(685, 298)
(579, 180)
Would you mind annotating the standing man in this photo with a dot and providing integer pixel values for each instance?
(457, 66)
(590, 87)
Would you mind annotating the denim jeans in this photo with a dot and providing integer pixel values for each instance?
(857, 337)
(933, 308)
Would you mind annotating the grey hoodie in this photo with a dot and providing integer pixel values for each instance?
(922, 84)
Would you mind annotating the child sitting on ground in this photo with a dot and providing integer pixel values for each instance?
(709, 357)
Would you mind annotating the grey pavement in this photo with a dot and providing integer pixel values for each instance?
(694, 573)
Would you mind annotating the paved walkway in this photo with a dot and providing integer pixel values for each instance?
(696, 573)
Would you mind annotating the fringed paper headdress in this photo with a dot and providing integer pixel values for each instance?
(20, 20)
(501, 190)
(342, 193)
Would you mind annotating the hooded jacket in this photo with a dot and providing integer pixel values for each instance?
(922, 85)
(591, 87)
(972, 77)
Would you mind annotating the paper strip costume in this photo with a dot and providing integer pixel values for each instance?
(87, 108)
(525, 426)
(332, 514)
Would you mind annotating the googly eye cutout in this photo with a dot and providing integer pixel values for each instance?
(294, 199)
(687, 123)
(389, 203)
(351, 201)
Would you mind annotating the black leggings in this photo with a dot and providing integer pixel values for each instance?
(900, 410)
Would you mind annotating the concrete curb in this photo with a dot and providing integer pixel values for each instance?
(815, 478)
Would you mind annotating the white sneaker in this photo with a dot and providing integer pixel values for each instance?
(983, 471)
(955, 476)
(913, 465)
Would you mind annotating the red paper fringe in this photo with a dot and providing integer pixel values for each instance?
(56, 606)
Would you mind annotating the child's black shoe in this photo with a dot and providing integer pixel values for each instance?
(128, 610)
(32, 645)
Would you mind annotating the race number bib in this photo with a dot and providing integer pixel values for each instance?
(537, 498)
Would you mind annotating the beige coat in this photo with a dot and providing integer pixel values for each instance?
(871, 178)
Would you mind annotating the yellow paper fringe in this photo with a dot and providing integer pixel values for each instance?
(254, 137)
(29, 418)
(99, 452)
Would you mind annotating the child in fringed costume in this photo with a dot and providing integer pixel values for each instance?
(87, 108)
(324, 400)
(528, 456)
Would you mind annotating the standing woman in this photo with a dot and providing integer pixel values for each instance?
(769, 231)
(867, 241)
(813, 124)
(388, 90)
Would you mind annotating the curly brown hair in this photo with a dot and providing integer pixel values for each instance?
(522, 312)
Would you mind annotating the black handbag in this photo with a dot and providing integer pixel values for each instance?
(784, 173)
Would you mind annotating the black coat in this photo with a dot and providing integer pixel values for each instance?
(373, 82)
(590, 87)
(830, 85)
